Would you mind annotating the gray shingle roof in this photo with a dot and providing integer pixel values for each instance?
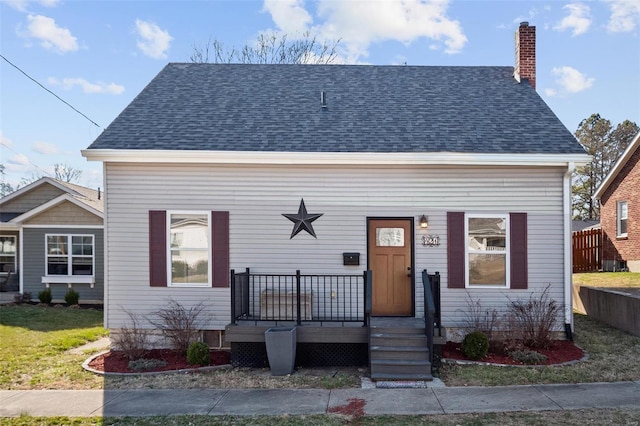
(243, 107)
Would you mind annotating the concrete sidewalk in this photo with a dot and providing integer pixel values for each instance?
(249, 402)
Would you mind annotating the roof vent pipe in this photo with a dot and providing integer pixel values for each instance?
(323, 99)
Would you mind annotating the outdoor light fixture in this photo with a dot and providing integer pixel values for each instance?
(424, 222)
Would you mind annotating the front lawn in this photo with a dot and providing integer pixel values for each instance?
(607, 279)
(34, 344)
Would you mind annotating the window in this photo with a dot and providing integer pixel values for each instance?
(487, 250)
(7, 253)
(621, 224)
(70, 255)
(189, 248)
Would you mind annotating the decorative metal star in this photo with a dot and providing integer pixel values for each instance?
(302, 220)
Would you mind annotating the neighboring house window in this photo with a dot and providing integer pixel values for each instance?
(188, 249)
(7, 253)
(487, 251)
(622, 219)
(70, 255)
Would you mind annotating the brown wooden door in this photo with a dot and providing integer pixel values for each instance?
(389, 254)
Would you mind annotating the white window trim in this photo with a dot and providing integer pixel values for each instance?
(619, 218)
(15, 254)
(507, 250)
(170, 282)
(70, 257)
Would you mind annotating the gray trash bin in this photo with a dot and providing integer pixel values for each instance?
(281, 349)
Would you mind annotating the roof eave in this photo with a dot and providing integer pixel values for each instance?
(333, 158)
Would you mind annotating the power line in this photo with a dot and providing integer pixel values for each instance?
(59, 98)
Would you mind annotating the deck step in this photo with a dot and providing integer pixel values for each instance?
(399, 350)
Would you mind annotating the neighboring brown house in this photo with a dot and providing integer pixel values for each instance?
(619, 197)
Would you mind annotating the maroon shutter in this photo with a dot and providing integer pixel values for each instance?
(455, 249)
(157, 248)
(220, 241)
(518, 252)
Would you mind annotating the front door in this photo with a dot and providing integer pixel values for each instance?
(389, 254)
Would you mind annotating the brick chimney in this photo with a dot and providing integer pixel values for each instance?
(526, 54)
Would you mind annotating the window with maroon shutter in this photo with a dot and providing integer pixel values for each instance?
(487, 250)
(189, 249)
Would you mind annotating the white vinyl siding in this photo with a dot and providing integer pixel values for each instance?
(257, 196)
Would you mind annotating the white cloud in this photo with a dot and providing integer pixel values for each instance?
(45, 148)
(51, 36)
(359, 24)
(5, 141)
(578, 20)
(154, 41)
(290, 14)
(570, 81)
(21, 5)
(625, 15)
(87, 87)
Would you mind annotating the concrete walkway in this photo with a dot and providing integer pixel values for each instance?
(249, 402)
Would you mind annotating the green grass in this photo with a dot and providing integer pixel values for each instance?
(608, 279)
(34, 341)
(540, 418)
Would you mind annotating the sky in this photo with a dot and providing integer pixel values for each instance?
(89, 59)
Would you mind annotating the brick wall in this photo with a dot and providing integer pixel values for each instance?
(626, 186)
(526, 53)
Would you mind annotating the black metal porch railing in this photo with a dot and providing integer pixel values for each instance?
(431, 284)
(299, 297)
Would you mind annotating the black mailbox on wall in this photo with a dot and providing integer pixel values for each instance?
(351, 259)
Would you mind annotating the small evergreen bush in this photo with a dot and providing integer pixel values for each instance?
(72, 297)
(528, 357)
(45, 296)
(198, 354)
(475, 345)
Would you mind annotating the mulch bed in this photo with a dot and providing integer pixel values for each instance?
(560, 352)
(117, 362)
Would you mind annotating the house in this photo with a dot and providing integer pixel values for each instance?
(353, 176)
(619, 199)
(51, 235)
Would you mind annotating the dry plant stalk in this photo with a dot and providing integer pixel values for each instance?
(132, 340)
(178, 324)
(534, 319)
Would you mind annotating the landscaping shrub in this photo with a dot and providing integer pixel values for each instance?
(198, 354)
(132, 340)
(475, 345)
(528, 357)
(22, 297)
(72, 297)
(533, 320)
(481, 319)
(45, 296)
(179, 325)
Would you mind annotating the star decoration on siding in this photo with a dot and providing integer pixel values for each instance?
(302, 220)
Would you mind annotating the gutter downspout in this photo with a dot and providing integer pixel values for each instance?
(568, 255)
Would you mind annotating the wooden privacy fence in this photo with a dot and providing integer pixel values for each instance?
(587, 250)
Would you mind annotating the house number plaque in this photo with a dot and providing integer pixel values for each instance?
(431, 240)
